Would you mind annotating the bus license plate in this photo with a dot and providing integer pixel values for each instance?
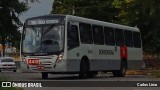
(40, 67)
(33, 61)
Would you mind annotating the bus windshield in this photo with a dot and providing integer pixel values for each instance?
(43, 39)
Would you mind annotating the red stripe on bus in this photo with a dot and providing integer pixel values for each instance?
(123, 52)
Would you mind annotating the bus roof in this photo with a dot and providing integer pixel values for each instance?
(46, 16)
(86, 20)
(103, 23)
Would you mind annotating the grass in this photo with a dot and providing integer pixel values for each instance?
(3, 79)
(153, 72)
(156, 73)
(135, 72)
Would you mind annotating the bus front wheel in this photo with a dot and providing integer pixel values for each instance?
(44, 75)
(83, 69)
(91, 74)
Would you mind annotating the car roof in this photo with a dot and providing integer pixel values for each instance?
(6, 58)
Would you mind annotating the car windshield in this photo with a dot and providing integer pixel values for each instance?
(43, 39)
(7, 60)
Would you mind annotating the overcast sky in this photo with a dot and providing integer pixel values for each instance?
(37, 9)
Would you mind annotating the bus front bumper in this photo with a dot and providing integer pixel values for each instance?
(54, 67)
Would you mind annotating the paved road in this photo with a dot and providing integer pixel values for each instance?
(18, 76)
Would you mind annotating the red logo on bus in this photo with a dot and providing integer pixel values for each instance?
(123, 52)
(33, 61)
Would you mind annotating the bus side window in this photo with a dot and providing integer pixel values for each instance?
(128, 38)
(98, 35)
(137, 39)
(119, 36)
(109, 36)
(73, 38)
(85, 33)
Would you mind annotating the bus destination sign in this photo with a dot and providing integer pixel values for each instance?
(40, 22)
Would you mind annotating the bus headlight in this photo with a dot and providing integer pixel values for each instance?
(24, 60)
(59, 58)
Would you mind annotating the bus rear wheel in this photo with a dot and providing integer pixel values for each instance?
(91, 74)
(44, 75)
(122, 71)
(83, 70)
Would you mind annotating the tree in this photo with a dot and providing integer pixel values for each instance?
(140, 13)
(9, 21)
(145, 15)
(95, 9)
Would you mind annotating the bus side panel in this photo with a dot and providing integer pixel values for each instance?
(72, 54)
(135, 58)
(74, 58)
(105, 58)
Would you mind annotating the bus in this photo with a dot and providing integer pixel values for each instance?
(66, 44)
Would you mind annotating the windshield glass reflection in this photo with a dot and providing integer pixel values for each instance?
(43, 39)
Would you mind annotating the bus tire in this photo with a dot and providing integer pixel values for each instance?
(122, 71)
(14, 70)
(44, 75)
(91, 74)
(83, 70)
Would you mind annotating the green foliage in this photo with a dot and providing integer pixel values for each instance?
(9, 20)
(157, 74)
(95, 9)
(143, 14)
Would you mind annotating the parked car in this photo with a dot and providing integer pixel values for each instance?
(7, 64)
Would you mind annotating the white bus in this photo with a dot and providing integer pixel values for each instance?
(75, 45)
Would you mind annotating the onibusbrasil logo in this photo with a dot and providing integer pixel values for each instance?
(6, 84)
(20, 84)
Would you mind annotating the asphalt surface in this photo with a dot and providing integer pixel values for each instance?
(19, 76)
